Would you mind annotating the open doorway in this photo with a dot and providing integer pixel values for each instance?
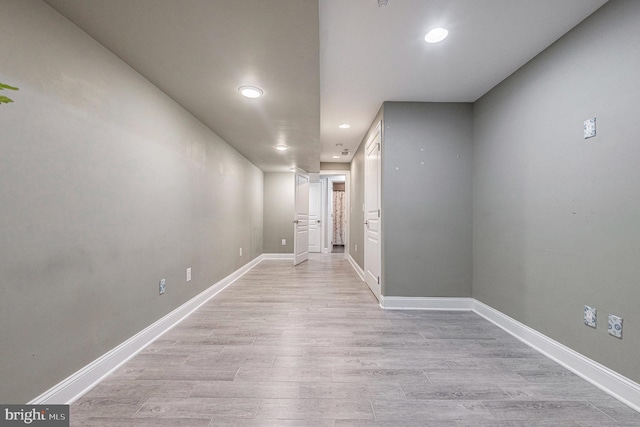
(338, 214)
(334, 186)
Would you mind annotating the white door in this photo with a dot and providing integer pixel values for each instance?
(372, 244)
(301, 221)
(315, 217)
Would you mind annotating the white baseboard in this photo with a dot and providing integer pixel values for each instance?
(609, 381)
(277, 256)
(73, 387)
(356, 267)
(618, 386)
(414, 303)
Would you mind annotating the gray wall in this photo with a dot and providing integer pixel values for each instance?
(557, 217)
(279, 188)
(426, 199)
(108, 186)
(356, 216)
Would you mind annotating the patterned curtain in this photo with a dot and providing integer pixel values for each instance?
(338, 217)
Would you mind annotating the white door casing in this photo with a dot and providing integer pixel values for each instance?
(301, 221)
(315, 217)
(372, 214)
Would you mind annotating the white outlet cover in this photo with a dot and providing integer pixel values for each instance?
(590, 316)
(615, 326)
(589, 128)
(189, 274)
(284, 242)
(163, 286)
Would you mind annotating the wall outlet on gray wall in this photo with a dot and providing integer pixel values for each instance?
(240, 251)
(615, 326)
(163, 286)
(284, 242)
(590, 316)
(189, 274)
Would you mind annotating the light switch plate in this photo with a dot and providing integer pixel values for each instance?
(189, 274)
(590, 316)
(615, 326)
(590, 128)
(163, 286)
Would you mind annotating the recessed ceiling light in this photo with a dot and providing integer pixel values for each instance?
(436, 35)
(335, 157)
(281, 147)
(250, 91)
(344, 126)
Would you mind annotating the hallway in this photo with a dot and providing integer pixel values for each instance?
(309, 346)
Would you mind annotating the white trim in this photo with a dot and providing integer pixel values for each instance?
(435, 303)
(360, 273)
(288, 256)
(609, 381)
(73, 387)
(355, 266)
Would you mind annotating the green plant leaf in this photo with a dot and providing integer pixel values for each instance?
(5, 100)
(4, 86)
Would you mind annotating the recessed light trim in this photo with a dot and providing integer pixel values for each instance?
(281, 147)
(344, 126)
(250, 91)
(335, 157)
(436, 35)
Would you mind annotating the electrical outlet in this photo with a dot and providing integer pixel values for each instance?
(189, 274)
(240, 251)
(284, 242)
(589, 128)
(615, 326)
(163, 286)
(356, 247)
(590, 316)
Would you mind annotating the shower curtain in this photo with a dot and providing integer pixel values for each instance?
(338, 217)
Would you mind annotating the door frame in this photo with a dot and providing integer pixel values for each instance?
(328, 173)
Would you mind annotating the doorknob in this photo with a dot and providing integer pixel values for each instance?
(295, 221)
(319, 221)
(366, 223)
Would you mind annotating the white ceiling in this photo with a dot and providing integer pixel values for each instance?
(320, 63)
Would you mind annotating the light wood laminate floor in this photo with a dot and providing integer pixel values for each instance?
(309, 346)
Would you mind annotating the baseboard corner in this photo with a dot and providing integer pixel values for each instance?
(616, 385)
